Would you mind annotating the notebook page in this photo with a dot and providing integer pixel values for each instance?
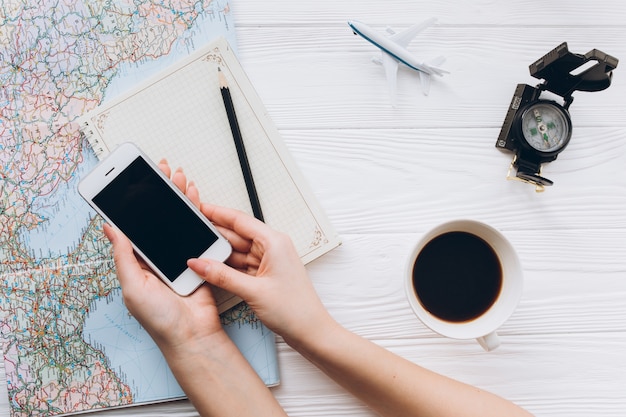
(179, 115)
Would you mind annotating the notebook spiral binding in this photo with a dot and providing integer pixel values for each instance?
(87, 133)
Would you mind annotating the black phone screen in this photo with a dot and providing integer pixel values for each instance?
(141, 204)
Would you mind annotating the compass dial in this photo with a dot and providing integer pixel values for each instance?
(546, 127)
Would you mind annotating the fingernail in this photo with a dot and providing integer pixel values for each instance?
(198, 265)
(109, 232)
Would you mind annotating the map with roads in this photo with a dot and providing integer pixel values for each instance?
(69, 345)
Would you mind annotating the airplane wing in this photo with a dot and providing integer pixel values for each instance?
(403, 38)
(391, 71)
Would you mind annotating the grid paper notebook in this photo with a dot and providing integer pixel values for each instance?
(179, 115)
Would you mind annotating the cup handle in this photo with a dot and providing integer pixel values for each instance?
(489, 342)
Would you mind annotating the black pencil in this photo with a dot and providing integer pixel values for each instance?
(241, 150)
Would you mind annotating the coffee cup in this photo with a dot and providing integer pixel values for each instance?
(464, 280)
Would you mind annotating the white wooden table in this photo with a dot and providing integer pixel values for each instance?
(386, 175)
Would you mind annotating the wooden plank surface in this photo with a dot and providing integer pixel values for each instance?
(386, 175)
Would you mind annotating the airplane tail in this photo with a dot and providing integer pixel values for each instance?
(434, 64)
(425, 81)
(433, 67)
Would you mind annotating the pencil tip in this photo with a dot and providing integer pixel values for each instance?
(222, 78)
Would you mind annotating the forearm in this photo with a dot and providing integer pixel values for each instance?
(391, 385)
(266, 271)
(219, 381)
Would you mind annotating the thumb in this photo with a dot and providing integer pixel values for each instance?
(123, 255)
(223, 276)
(122, 249)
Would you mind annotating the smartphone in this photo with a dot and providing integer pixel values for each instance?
(129, 191)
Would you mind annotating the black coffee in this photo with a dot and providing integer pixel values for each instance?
(457, 276)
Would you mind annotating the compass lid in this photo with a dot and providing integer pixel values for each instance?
(565, 72)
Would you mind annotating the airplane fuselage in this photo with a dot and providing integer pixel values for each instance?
(386, 45)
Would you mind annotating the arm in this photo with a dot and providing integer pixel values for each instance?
(393, 386)
(206, 363)
(267, 273)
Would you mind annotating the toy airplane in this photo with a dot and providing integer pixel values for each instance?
(393, 50)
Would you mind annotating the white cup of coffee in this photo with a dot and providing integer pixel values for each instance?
(464, 280)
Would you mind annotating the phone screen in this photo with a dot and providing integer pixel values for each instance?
(168, 232)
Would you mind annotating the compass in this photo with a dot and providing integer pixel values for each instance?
(536, 129)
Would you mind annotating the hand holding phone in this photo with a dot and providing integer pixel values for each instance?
(129, 191)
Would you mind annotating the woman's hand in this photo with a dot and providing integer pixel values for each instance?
(266, 271)
(208, 366)
(170, 319)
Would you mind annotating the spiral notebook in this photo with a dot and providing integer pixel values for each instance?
(179, 115)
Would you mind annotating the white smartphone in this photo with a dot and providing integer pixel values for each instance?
(129, 191)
